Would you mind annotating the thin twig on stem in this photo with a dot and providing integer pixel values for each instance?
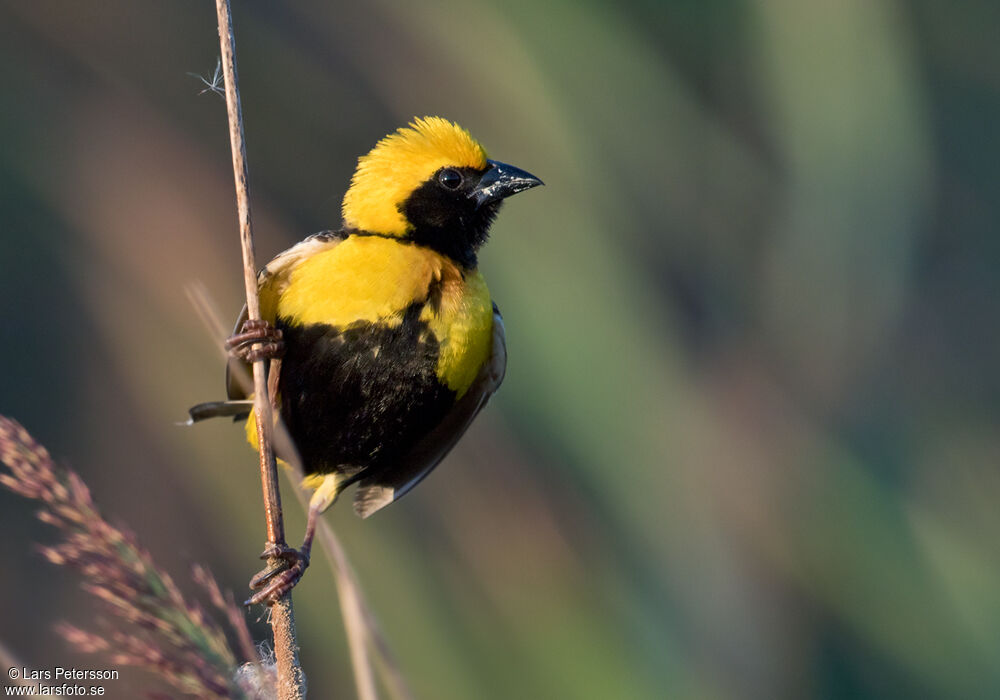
(291, 680)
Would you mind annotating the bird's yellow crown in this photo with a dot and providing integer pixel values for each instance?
(398, 165)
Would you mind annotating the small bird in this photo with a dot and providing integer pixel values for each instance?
(388, 339)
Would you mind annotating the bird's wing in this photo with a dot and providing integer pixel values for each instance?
(376, 492)
(272, 281)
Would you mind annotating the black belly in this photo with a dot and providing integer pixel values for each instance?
(361, 395)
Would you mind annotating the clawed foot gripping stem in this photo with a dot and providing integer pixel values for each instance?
(257, 340)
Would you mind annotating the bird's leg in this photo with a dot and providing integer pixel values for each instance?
(274, 582)
(257, 340)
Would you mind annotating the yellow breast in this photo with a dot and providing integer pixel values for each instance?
(364, 278)
(375, 279)
(463, 325)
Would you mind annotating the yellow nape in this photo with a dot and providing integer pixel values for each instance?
(398, 165)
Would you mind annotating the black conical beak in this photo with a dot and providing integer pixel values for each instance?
(500, 181)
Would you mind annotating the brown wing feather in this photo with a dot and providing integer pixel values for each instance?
(375, 493)
(275, 276)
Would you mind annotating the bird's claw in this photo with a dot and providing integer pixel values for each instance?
(257, 340)
(274, 582)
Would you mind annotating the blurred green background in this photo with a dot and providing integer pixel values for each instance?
(749, 440)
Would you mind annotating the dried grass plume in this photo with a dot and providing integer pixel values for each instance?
(149, 623)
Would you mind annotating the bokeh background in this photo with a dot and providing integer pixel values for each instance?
(749, 439)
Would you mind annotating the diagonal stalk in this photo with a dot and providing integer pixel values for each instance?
(291, 680)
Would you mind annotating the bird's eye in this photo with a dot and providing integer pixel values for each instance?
(450, 178)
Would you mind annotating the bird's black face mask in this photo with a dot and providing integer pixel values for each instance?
(452, 211)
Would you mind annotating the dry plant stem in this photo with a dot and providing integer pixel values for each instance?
(269, 472)
(291, 682)
(364, 677)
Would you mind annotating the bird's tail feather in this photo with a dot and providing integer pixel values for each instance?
(239, 410)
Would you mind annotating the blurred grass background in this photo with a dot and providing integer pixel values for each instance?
(748, 443)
